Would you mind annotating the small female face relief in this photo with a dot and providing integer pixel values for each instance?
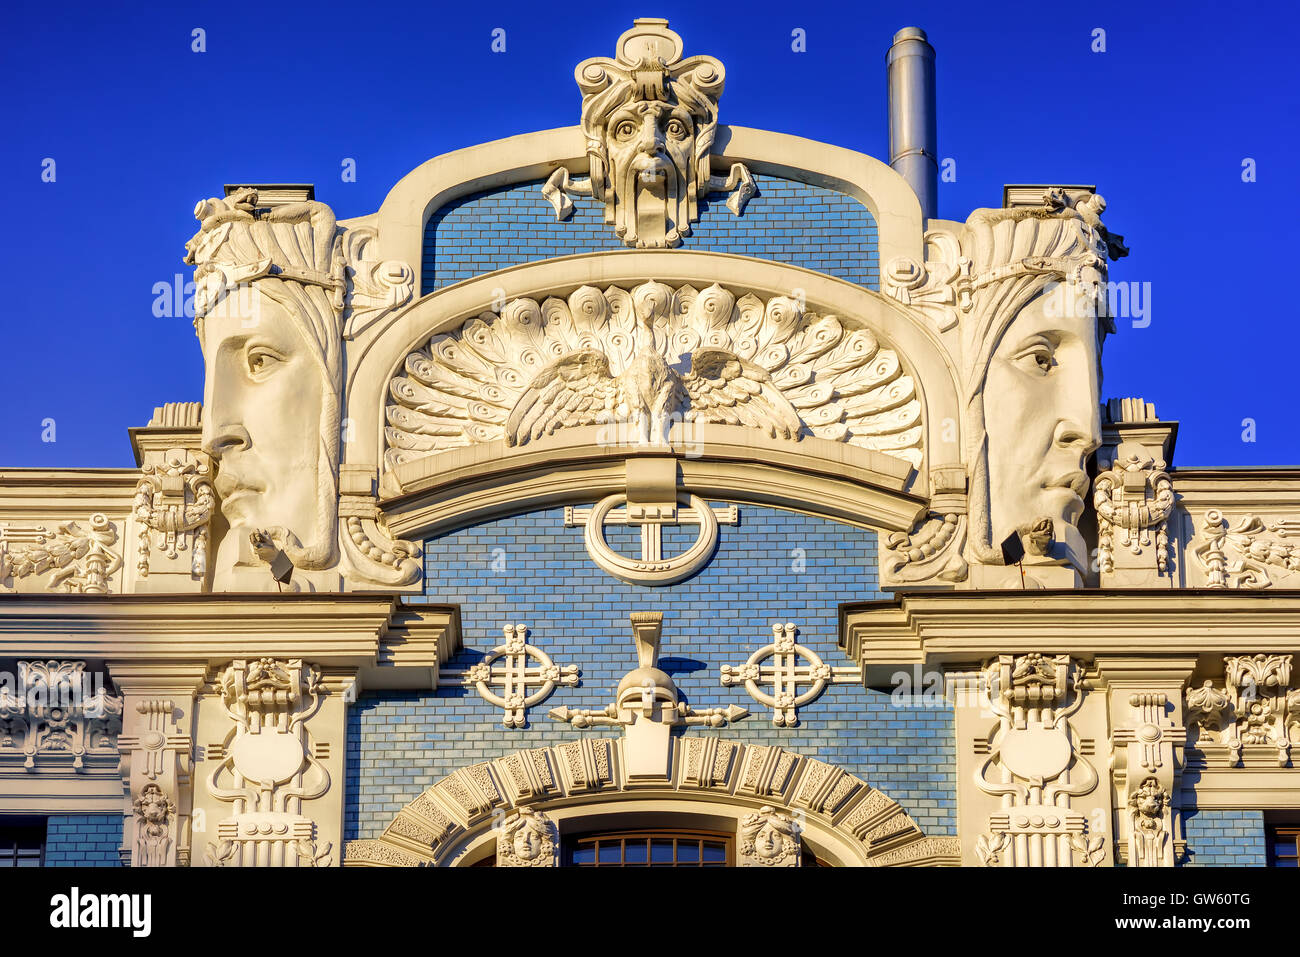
(1042, 417)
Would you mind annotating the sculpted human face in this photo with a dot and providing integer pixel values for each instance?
(263, 400)
(767, 842)
(527, 844)
(651, 148)
(1042, 419)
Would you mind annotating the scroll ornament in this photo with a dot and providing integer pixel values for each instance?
(1247, 554)
(76, 554)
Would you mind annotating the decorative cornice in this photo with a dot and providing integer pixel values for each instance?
(965, 626)
(335, 629)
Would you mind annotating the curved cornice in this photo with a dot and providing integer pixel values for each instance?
(529, 156)
(377, 354)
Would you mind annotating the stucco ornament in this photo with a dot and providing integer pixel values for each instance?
(1035, 765)
(528, 838)
(153, 812)
(272, 296)
(652, 357)
(1032, 315)
(1149, 843)
(650, 119)
(768, 838)
(269, 766)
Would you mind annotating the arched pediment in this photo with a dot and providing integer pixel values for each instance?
(843, 816)
(834, 380)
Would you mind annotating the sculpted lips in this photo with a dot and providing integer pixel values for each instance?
(232, 487)
(1076, 482)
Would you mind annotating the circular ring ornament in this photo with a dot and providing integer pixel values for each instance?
(640, 571)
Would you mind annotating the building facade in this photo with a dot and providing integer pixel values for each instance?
(652, 491)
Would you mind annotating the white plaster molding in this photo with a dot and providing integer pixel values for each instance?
(1034, 764)
(785, 675)
(1249, 553)
(652, 568)
(611, 357)
(535, 156)
(53, 713)
(268, 767)
(462, 812)
(74, 557)
(528, 838)
(522, 686)
(650, 118)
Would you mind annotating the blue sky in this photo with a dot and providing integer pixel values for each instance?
(140, 127)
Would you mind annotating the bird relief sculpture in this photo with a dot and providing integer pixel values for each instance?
(652, 358)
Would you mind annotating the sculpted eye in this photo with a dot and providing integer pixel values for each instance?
(262, 361)
(676, 129)
(1038, 359)
(625, 130)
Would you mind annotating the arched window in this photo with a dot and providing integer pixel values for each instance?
(652, 847)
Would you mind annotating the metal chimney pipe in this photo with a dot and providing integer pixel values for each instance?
(913, 132)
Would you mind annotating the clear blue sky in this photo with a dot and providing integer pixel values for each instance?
(141, 127)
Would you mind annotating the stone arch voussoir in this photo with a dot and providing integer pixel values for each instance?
(435, 827)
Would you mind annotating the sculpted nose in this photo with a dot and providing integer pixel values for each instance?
(650, 137)
(226, 438)
(1084, 440)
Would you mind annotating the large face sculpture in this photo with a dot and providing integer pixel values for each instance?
(1041, 410)
(1031, 345)
(267, 312)
(262, 402)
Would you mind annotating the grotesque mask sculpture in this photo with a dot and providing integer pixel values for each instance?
(650, 119)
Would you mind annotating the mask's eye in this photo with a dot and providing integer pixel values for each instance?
(261, 361)
(1037, 359)
(625, 130)
(676, 129)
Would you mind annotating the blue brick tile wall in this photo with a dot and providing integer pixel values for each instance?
(1218, 838)
(83, 840)
(791, 222)
(774, 566)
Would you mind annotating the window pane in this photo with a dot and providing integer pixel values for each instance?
(585, 854)
(635, 851)
(715, 853)
(611, 853)
(688, 851)
(661, 852)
